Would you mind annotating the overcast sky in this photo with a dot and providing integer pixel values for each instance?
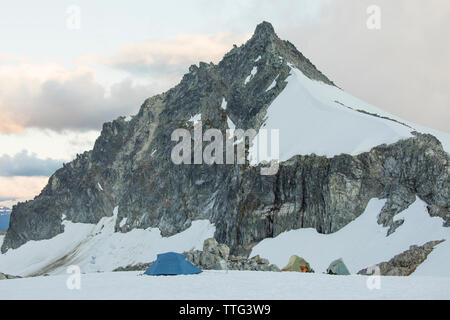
(58, 84)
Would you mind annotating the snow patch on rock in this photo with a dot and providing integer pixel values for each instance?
(273, 84)
(224, 104)
(251, 75)
(195, 119)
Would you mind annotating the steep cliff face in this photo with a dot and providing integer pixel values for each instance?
(130, 165)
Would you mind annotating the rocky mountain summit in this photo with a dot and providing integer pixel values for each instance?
(130, 165)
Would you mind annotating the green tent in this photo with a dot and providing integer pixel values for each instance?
(338, 267)
(297, 264)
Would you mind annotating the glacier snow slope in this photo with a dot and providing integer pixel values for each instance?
(314, 117)
(222, 285)
(98, 248)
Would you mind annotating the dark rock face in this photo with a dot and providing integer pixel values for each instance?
(405, 263)
(130, 166)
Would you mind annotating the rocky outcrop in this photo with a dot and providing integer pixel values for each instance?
(4, 276)
(130, 166)
(215, 256)
(405, 263)
(135, 267)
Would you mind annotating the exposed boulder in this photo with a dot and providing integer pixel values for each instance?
(217, 256)
(404, 263)
(135, 267)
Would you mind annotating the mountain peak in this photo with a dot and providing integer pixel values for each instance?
(264, 29)
(265, 32)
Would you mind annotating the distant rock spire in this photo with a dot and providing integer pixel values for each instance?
(265, 30)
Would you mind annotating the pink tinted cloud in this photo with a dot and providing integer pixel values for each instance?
(175, 53)
(21, 187)
(52, 97)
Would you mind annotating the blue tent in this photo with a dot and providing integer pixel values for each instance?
(171, 263)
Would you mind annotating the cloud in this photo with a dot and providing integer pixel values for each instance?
(21, 187)
(10, 58)
(25, 164)
(172, 55)
(9, 203)
(80, 103)
(49, 96)
(47, 143)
